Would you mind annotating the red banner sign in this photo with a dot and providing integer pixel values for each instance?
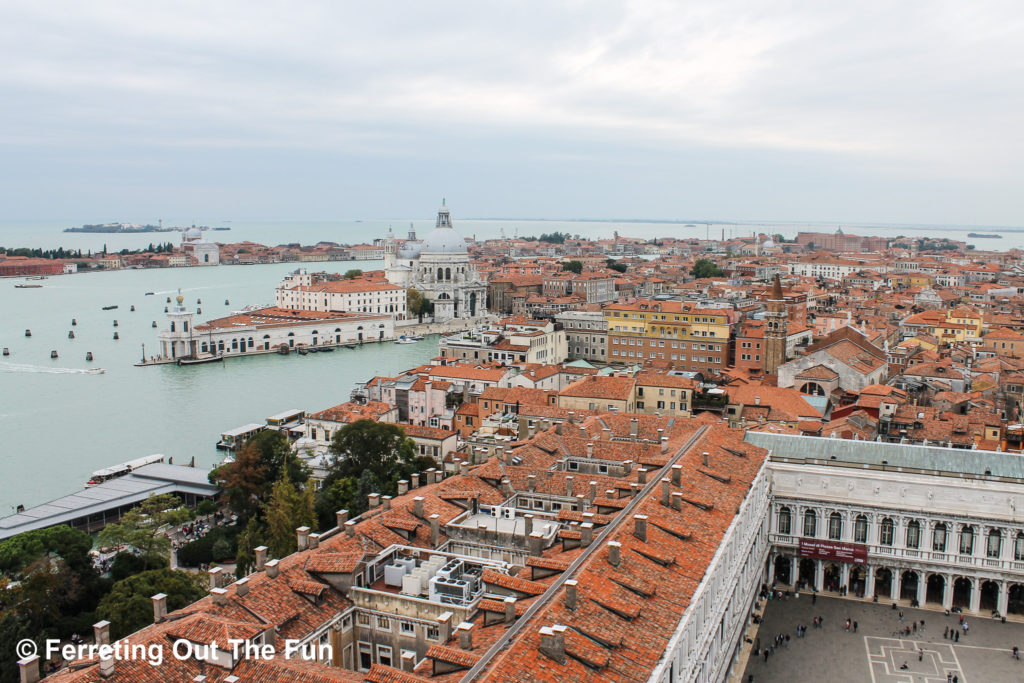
(818, 549)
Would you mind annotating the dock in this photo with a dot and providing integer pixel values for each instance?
(93, 508)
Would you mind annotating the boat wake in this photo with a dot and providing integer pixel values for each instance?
(20, 367)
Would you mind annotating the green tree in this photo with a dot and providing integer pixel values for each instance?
(340, 494)
(13, 630)
(373, 456)
(573, 266)
(554, 237)
(617, 266)
(705, 268)
(143, 528)
(252, 536)
(414, 302)
(129, 606)
(263, 460)
(289, 507)
(353, 274)
(71, 545)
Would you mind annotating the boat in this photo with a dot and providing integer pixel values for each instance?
(94, 371)
(326, 349)
(349, 346)
(109, 308)
(313, 349)
(108, 473)
(406, 340)
(149, 293)
(983, 235)
(27, 286)
(197, 360)
(301, 351)
(417, 337)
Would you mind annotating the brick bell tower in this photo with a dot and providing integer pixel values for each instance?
(775, 330)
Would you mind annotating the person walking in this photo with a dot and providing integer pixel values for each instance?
(945, 633)
(958, 636)
(855, 627)
(814, 597)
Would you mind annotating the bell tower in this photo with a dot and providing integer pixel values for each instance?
(775, 330)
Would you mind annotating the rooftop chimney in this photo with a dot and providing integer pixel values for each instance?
(677, 475)
(570, 594)
(465, 630)
(665, 491)
(272, 568)
(506, 487)
(634, 427)
(664, 444)
(531, 481)
(640, 528)
(586, 534)
(417, 506)
(350, 527)
(706, 456)
(408, 661)
(435, 529)
(261, 557)
(403, 487)
(215, 577)
(386, 502)
(606, 434)
(568, 485)
(464, 468)
(677, 500)
(444, 625)
(593, 490)
(552, 642)
(159, 607)
(342, 516)
(510, 609)
(536, 540)
(641, 475)
(614, 553)
(373, 500)
(302, 537)
(590, 450)
(220, 596)
(242, 587)
(528, 522)
(101, 636)
(28, 669)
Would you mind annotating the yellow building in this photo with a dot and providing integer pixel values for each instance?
(688, 337)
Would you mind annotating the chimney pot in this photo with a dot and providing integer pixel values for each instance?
(528, 522)
(464, 468)
(570, 594)
(665, 491)
(435, 529)
(386, 502)
(215, 577)
(677, 475)
(706, 456)
(341, 516)
(403, 487)
(677, 500)
(350, 527)
(640, 529)
(159, 607)
(532, 482)
(408, 661)
(664, 444)
(536, 541)
(510, 609)
(101, 636)
(28, 669)
(302, 537)
(444, 623)
(242, 587)
(373, 501)
(261, 557)
(568, 485)
(465, 630)
(220, 596)
(641, 475)
(614, 553)
(417, 506)
(590, 450)
(593, 490)
(552, 642)
(272, 568)
(586, 534)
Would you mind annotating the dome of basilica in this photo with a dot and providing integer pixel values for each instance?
(443, 241)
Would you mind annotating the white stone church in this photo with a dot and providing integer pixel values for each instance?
(439, 268)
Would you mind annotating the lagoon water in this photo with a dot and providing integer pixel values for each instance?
(60, 424)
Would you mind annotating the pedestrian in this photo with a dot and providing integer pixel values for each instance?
(958, 636)
(766, 654)
(945, 632)
(915, 627)
(1016, 652)
(901, 615)
(855, 627)
(922, 624)
(847, 625)
(814, 598)
(787, 640)
(961, 620)
(956, 679)
(920, 654)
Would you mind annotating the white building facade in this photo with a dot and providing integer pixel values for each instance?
(313, 292)
(440, 269)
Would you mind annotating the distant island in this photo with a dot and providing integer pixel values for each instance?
(981, 234)
(134, 228)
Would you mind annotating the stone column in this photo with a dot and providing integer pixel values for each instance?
(869, 581)
(922, 588)
(771, 569)
(1003, 602)
(947, 591)
(844, 575)
(975, 595)
(795, 565)
(894, 592)
(819, 575)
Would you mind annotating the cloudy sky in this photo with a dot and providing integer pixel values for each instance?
(904, 112)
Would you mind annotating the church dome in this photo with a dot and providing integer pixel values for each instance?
(410, 249)
(443, 241)
(193, 233)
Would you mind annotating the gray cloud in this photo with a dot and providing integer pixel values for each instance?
(870, 111)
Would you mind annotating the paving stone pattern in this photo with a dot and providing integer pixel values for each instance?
(878, 650)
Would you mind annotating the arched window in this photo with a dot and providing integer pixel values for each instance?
(914, 534)
(184, 325)
(939, 538)
(885, 533)
(172, 326)
(440, 273)
(835, 526)
(784, 521)
(967, 540)
(1018, 547)
(860, 529)
(447, 273)
(205, 347)
(995, 543)
(810, 523)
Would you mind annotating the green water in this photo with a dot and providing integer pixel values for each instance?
(59, 424)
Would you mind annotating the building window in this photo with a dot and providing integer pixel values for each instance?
(1018, 547)
(363, 619)
(885, 534)
(939, 538)
(810, 523)
(995, 543)
(784, 521)
(914, 534)
(967, 540)
(860, 529)
(408, 627)
(835, 526)
(433, 633)
(383, 624)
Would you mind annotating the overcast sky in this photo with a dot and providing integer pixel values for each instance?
(862, 111)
